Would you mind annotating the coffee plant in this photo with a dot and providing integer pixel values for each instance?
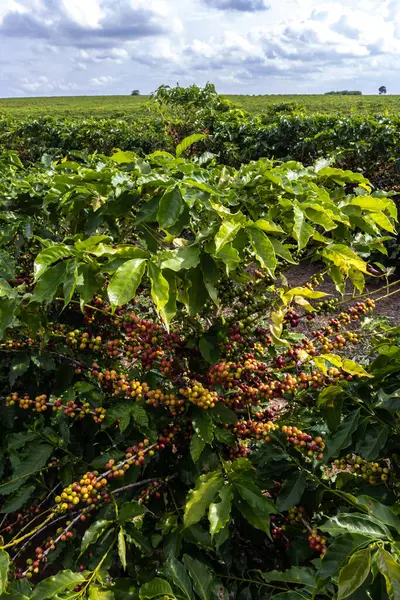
(178, 421)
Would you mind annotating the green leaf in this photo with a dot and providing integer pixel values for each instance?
(122, 548)
(121, 157)
(263, 249)
(355, 524)
(49, 256)
(282, 251)
(168, 312)
(4, 566)
(148, 211)
(373, 441)
(44, 361)
(209, 351)
(181, 258)
(197, 293)
(207, 487)
(223, 415)
(342, 437)
(253, 505)
(203, 425)
(92, 534)
(201, 577)
(33, 459)
(344, 258)
(70, 280)
(226, 233)
(219, 513)
(47, 286)
(64, 580)
(159, 286)
(197, 445)
(18, 499)
(302, 231)
(292, 491)
(382, 221)
(189, 141)
(140, 417)
(19, 366)
(119, 412)
(225, 437)
(96, 593)
(129, 511)
(155, 588)
(179, 577)
(171, 205)
(300, 575)
(353, 575)
(337, 553)
(390, 569)
(125, 281)
(136, 537)
(380, 511)
(354, 368)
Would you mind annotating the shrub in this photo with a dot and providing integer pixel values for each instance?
(166, 432)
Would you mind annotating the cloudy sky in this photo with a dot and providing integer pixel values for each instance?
(72, 47)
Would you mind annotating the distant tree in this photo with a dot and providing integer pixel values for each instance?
(382, 90)
(344, 93)
(135, 93)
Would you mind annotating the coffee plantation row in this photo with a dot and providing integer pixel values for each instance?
(284, 131)
(179, 419)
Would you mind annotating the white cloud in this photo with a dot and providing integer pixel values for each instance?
(295, 46)
(239, 5)
(103, 80)
(42, 84)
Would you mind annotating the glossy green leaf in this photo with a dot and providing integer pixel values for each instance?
(46, 288)
(380, 511)
(155, 588)
(96, 593)
(390, 569)
(201, 577)
(18, 499)
(171, 205)
(203, 425)
(355, 524)
(302, 231)
(282, 251)
(253, 505)
(178, 574)
(93, 533)
(197, 445)
(219, 513)
(187, 142)
(353, 575)
(122, 548)
(19, 366)
(125, 281)
(49, 256)
(292, 491)
(263, 249)
(159, 286)
(182, 258)
(226, 233)
(299, 575)
(4, 566)
(342, 436)
(56, 584)
(207, 487)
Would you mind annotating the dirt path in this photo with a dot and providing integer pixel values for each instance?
(386, 307)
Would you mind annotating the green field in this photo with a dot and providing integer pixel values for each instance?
(114, 106)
